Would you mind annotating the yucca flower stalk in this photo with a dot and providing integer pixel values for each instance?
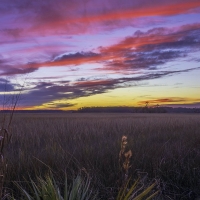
(124, 158)
(126, 192)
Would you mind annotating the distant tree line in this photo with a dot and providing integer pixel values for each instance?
(124, 109)
(119, 109)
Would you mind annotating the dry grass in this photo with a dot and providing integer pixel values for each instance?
(164, 147)
(5, 138)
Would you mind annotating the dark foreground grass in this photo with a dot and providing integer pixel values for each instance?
(165, 148)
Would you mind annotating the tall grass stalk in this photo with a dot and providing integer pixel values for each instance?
(10, 105)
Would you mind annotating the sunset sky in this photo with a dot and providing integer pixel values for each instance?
(69, 54)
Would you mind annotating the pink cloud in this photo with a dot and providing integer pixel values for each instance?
(170, 101)
(72, 17)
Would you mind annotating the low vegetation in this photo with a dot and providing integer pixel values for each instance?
(162, 156)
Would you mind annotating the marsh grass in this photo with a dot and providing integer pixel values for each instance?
(5, 138)
(164, 147)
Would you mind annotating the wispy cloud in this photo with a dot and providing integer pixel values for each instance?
(57, 105)
(72, 17)
(6, 85)
(8, 70)
(143, 50)
(153, 48)
(45, 92)
(172, 101)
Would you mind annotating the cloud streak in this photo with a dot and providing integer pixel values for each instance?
(172, 101)
(143, 50)
(54, 95)
(6, 85)
(45, 92)
(72, 16)
(153, 48)
(7, 70)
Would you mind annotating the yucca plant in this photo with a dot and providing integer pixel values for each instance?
(47, 189)
(132, 193)
(79, 189)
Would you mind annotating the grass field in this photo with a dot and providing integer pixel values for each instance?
(165, 147)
